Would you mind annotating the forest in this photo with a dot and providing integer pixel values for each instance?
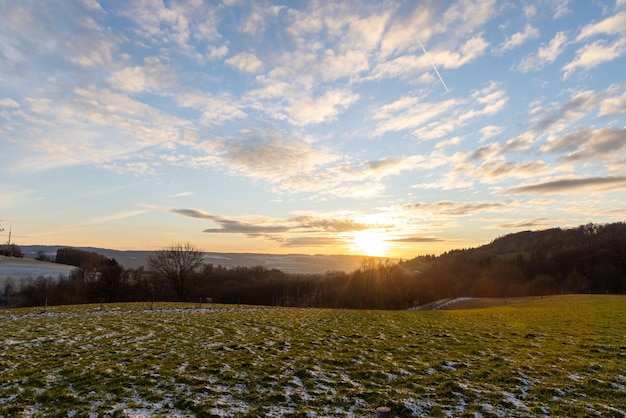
(588, 259)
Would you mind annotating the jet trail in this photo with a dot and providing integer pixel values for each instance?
(433, 65)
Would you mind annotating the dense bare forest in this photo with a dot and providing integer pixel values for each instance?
(587, 259)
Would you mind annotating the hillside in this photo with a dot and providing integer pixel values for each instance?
(11, 267)
(587, 259)
(288, 263)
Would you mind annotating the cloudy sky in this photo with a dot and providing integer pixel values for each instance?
(382, 127)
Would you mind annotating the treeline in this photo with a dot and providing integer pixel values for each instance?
(80, 258)
(587, 259)
(11, 250)
(377, 284)
(96, 279)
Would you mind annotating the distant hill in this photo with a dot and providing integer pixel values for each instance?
(19, 269)
(32, 267)
(289, 263)
(588, 259)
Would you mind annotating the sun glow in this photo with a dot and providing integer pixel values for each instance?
(371, 243)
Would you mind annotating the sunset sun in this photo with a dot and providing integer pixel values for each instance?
(371, 243)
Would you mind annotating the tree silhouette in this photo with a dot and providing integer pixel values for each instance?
(178, 265)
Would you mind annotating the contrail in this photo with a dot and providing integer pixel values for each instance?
(433, 65)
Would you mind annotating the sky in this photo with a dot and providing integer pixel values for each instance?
(388, 128)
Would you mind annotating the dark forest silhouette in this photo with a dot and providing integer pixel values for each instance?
(587, 259)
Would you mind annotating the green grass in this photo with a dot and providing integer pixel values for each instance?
(559, 356)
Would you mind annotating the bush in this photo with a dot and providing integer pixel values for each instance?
(12, 251)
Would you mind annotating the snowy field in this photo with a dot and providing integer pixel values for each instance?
(561, 356)
(26, 268)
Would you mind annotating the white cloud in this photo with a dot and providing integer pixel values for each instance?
(92, 4)
(613, 106)
(486, 152)
(520, 143)
(407, 66)
(384, 167)
(286, 164)
(565, 143)
(546, 54)
(594, 54)
(550, 52)
(157, 20)
(296, 166)
(334, 66)
(494, 170)
(458, 22)
(215, 110)
(472, 49)
(323, 77)
(7, 102)
(93, 48)
(561, 8)
(107, 218)
(601, 145)
(322, 109)
(23, 36)
(558, 116)
(93, 126)
(519, 38)
(492, 98)
(431, 120)
(152, 75)
(39, 105)
(573, 185)
(449, 208)
(449, 142)
(611, 25)
(530, 10)
(490, 131)
(245, 62)
(181, 194)
(404, 66)
(217, 52)
(397, 116)
(365, 34)
(465, 16)
(403, 33)
(256, 21)
(174, 25)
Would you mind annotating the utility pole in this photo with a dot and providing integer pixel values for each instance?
(2, 230)
(9, 241)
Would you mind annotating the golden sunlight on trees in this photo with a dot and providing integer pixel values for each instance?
(178, 265)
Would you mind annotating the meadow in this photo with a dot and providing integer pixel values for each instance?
(554, 356)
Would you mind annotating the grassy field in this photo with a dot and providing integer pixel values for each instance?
(558, 356)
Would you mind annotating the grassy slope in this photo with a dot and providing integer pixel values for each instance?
(558, 356)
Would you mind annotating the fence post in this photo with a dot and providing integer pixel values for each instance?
(383, 412)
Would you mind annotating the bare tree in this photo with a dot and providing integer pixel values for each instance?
(177, 264)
